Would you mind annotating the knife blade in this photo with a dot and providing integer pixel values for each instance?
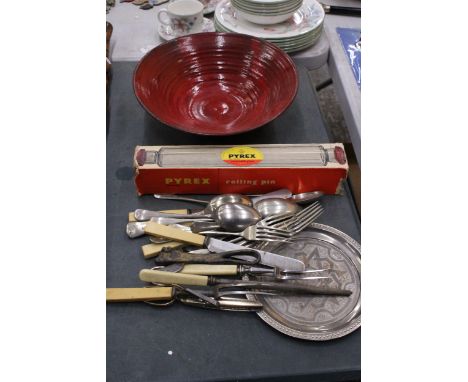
(267, 258)
(216, 245)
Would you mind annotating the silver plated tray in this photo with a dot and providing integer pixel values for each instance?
(318, 318)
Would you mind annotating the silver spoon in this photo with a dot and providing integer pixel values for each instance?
(233, 217)
(269, 207)
(213, 204)
(264, 208)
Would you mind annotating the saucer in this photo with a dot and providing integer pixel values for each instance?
(166, 32)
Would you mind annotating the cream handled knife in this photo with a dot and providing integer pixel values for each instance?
(216, 245)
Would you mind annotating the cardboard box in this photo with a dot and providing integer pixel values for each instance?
(252, 169)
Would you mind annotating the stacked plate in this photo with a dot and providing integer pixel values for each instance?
(266, 12)
(300, 31)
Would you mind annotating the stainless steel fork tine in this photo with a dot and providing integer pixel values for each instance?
(302, 215)
(272, 229)
(309, 211)
(275, 219)
(308, 208)
(282, 224)
(307, 217)
(274, 240)
(306, 222)
(272, 232)
(300, 227)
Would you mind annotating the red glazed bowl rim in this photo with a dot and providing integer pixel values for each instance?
(215, 34)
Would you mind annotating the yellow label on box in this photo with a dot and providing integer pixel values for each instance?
(242, 156)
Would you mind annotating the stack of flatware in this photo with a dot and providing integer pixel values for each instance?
(194, 248)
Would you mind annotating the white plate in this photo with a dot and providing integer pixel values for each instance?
(265, 14)
(267, 1)
(295, 39)
(288, 45)
(304, 20)
(166, 32)
(268, 9)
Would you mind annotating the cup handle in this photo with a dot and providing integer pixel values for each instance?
(161, 20)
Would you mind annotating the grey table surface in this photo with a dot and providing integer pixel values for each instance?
(180, 343)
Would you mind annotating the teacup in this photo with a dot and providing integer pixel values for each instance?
(183, 16)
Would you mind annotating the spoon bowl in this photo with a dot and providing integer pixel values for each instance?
(235, 217)
(230, 217)
(276, 206)
(221, 200)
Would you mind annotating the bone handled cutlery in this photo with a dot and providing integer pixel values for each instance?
(230, 216)
(153, 249)
(138, 294)
(215, 245)
(162, 277)
(144, 215)
(163, 296)
(134, 216)
(245, 256)
(241, 270)
(137, 229)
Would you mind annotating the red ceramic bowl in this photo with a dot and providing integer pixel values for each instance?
(215, 83)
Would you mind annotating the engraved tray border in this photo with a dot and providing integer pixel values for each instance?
(354, 324)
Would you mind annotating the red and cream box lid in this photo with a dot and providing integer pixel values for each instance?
(240, 169)
(285, 155)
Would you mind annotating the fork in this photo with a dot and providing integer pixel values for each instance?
(290, 223)
(294, 222)
(255, 232)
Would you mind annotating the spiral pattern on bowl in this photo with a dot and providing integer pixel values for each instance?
(216, 83)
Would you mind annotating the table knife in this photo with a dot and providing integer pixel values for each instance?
(216, 245)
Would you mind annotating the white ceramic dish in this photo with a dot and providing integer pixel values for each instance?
(309, 17)
(166, 32)
(289, 45)
(266, 9)
(264, 20)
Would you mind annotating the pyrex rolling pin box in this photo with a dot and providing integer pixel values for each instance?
(240, 169)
